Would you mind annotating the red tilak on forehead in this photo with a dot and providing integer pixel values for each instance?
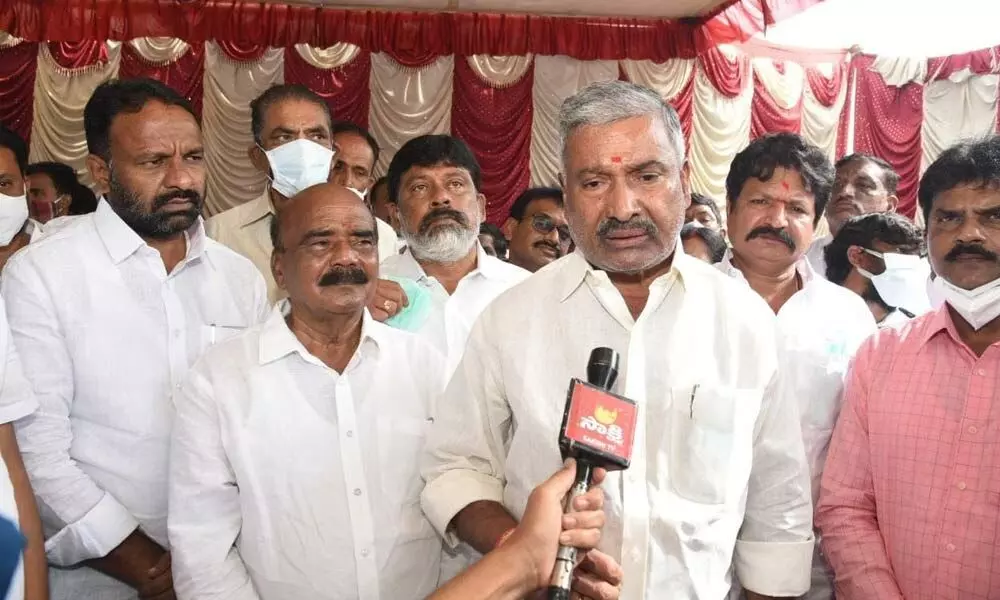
(616, 159)
(784, 185)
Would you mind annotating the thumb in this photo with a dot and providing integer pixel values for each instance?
(560, 483)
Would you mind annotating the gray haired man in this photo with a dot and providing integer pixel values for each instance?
(718, 482)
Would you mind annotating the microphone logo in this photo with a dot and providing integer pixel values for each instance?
(605, 416)
(600, 425)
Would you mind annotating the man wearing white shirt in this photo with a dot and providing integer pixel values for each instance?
(863, 184)
(718, 480)
(16, 228)
(435, 180)
(880, 257)
(294, 471)
(776, 189)
(294, 147)
(107, 313)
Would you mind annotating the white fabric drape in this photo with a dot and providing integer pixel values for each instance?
(408, 102)
(159, 51)
(557, 78)
(328, 58)
(229, 88)
(667, 78)
(499, 71)
(898, 71)
(720, 129)
(820, 123)
(7, 40)
(60, 96)
(964, 106)
(785, 88)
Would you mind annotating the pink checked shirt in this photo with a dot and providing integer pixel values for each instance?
(910, 500)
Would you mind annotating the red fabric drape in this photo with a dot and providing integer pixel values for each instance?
(826, 89)
(767, 116)
(242, 52)
(186, 75)
(730, 77)
(279, 25)
(18, 65)
(980, 62)
(847, 113)
(345, 89)
(887, 124)
(76, 55)
(496, 124)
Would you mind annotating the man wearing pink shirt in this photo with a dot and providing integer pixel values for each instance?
(910, 500)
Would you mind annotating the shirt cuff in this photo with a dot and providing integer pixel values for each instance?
(449, 493)
(18, 410)
(99, 532)
(774, 568)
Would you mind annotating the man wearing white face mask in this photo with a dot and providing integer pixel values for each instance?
(16, 229)
(879, 257)
(293, 146)
(908, 505)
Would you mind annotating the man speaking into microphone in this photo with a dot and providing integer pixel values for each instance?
(718, 485)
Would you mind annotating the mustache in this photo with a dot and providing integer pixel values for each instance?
(962, 248)
(344, 276)
(780, 234)
(548, 244)
(611, 225)
(162, 200)
(437, 213)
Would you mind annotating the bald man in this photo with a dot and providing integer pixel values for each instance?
(294, 464)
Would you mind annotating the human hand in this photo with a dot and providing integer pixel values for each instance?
(160, 583)
(388, 301)
(597, 577)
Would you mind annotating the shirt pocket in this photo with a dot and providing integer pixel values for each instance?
(215, 334)
(707, 426)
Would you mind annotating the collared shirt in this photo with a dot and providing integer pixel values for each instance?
(718, 476)
(896, 318)
(820, 328)
(815, 254)
(247, 230)
(910, 504)
(451, 316)
(291, 481)
(105, 335)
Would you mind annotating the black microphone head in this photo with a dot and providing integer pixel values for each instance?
(602, 368)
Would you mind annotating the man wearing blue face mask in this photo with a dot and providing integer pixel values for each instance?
(879, 256)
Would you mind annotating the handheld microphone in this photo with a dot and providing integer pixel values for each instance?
(597, 430)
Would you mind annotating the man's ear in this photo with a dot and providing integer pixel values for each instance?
(893, 201)
(481, 197)
(686, 183)
(259, 160)
(508, 227)
(99, 172)
(856, 256)
(277, 271)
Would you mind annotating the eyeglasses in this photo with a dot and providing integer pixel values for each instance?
(544, 224)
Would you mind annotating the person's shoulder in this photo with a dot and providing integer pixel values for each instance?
(233, 218)
(61, 242)
(507, 271)
(232, 259)
(232, 356)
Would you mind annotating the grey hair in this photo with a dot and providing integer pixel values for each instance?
(608, 102)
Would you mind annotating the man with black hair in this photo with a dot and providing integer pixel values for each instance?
(879, 256)
(537, 228)
(863, 184)
(908, 507)
(435, 180)
(703, 243)
(493, 240)
(16, 228)
(383, 205)
(776, 191)
(54, 191)
(705, 211)
(108, 313)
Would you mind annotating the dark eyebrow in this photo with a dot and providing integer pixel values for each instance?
(988, 211)
(280, 129)
(315, 234)
(317, 129)
(368, 234)
(648, 164)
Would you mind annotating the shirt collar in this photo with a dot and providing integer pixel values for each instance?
(277, 340)
(802, 267)
(259, 208)
(935, 322)
(577, 268)
(122, 241)
(486, 265)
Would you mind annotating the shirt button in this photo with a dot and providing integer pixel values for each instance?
(980, 372)
(357, 491)
(350, 433)
(364, 553)
(961, 485)
(634, 555)
(950, 547)
(973, 429)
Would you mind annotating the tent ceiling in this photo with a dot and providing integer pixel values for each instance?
(663, 9)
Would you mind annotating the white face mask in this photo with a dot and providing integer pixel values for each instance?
(13, 215)
(361, 193)
(978, 307)
(903, 284)
(298, 165)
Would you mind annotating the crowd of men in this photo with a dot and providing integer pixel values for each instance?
(352, 387)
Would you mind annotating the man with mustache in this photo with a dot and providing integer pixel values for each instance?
(108, 313)
(864, 184)
(435, 181)
(776, 190)
(537, 228)
(294, 470)
(908, 507)
(718, 482)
